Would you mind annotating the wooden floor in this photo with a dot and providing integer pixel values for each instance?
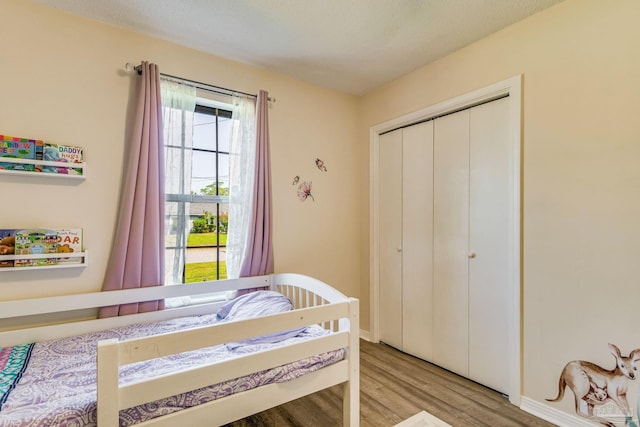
(393, 387)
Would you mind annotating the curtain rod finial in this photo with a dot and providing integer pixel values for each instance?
(129, 67)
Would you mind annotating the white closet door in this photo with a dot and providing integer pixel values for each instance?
(390, 238)
(417, 239)
(451, 242)
(490, 225)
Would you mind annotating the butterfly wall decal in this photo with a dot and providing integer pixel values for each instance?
(320, 165)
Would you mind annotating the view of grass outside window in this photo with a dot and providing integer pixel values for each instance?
(198, 232)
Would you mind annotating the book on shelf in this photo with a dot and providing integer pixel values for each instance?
(36, 241)
(7, 246)
(70, 241)
(21, 148)
(62, 153)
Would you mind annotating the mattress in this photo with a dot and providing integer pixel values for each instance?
(54, 382)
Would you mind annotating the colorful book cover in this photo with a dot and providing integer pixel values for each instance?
(36, 241)
(70, 241)
(39, 154)
(7, 247)
(19, 148)
(62, 153)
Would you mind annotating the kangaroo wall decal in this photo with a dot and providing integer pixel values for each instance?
(593, 385)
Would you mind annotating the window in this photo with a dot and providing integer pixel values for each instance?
(197, 202)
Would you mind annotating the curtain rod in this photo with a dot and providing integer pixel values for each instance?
(199, 85)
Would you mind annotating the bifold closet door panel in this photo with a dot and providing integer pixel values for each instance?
(417, 240)
(390, 238)
(491, 228)
(451, 240)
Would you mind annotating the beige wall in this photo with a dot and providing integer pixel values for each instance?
(581, 174)
(63, 81)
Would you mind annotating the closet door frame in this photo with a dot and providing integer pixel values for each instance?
(512, 88)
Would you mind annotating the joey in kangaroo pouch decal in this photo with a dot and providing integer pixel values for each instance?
(594, 386)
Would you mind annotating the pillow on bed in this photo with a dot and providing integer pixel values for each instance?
(256, 304)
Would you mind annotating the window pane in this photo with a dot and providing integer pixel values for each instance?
(177, 170)
(203, 172)
(223, 174)
(173, 274)
(206, 245)
(223, 223)
(204, 131)
(178, 128)
(176, 228)
(176, 231)
(224, 133)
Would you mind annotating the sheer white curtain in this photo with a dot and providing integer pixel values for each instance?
(241, 181)
(178, 106)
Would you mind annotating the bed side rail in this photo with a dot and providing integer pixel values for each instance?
(62, 303)
(25, 311)
(56, 304)
(113, 354)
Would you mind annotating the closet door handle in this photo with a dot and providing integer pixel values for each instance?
(472, 255)
(399, 249)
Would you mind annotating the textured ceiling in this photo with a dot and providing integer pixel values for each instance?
(352, 46)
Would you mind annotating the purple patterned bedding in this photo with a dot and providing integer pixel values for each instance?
(53, 383)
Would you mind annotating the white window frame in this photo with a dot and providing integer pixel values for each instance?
(217, 296)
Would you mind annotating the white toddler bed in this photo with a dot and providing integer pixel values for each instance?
(155, 362)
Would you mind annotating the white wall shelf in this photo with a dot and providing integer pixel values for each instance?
(82, 255)
(82, 166)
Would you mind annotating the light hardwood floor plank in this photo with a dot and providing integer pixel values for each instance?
(395, 386)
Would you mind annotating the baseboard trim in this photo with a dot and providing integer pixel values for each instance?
(555, 416)
(365, 335)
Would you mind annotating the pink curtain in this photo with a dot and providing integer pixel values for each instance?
(137, 255)
(259, 255)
